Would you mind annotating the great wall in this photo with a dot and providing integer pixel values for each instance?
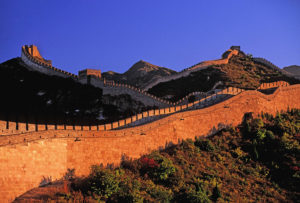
(112, 88)
(200, 66)
(108, 87)
(31, 153)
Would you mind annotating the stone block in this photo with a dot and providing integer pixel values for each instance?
(108, 126)
(12, 125)
(50, 127)
(86, 127)
(128, 121)
(172, 109)
(156, 112)
(60, 127)
(101, 127)
(22, 127)
(145, 114)
(31, 127)
(121, 123)
(93, 127)
(78, 127)
(41, 127)
(69, 127)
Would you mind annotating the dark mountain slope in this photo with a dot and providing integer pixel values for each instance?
(241, 71)
(35, 97)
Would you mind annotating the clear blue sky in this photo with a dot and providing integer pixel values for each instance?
(114, 34)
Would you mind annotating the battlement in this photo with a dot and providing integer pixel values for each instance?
(238, 48)
(31, 57)
(199, 66)
(89, 72)
(14, 128)
(34, 52)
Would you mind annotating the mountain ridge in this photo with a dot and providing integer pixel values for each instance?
(139, 74)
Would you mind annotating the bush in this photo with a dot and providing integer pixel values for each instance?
(70, 174)
(260, 135)
(198, 196)
(238, 153)
(103, 182)
(205, 145)
(289, 143)
(270, 135)
(163, 170)
(129, 191)
(159, 193)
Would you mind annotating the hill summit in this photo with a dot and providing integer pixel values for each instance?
(140, 74)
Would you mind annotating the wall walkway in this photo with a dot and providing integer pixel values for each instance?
(197, 67)
(10, 128)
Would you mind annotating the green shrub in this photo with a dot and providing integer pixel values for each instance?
(164, 169)
(103, 182)
(257, 124)
(289, 143)
(130, 191)
(197, 196)
(159, 193)
(238, 153)
(260, 135)
(205, 145)
(187, 145)
(270, 135)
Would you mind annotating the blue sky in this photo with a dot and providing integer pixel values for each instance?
(114, 34)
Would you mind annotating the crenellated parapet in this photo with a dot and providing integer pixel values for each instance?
(32, 58)
(200, 66)
(204, 64)
(13, 128)
(276, 84)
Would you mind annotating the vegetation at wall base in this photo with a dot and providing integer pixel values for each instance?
(257, 161)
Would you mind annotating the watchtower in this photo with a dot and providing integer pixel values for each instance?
(89, 72)
(34, 52)
(238, 48)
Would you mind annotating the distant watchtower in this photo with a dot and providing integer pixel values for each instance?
(34, 52)
(238, 48)
(89, 72)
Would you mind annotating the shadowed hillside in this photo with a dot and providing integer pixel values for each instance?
(35, 97)
(241, 71)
